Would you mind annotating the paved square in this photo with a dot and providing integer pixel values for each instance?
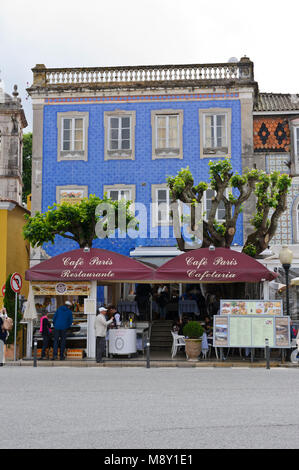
(127, 408)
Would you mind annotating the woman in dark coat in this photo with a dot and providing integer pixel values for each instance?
(3, 338)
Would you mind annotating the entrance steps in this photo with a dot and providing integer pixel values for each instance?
(161, 338)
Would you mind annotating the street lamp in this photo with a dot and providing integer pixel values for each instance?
(286, 257)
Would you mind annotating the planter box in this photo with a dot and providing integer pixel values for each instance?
(193, 349)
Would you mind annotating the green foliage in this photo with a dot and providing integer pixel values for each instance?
(250, 250)
(74, 221)
(233, 191)
(27, 165)
(9, 304)
(193, 330)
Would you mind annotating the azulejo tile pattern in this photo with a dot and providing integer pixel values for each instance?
(142, 172)
(136, 98)
(285, 229)
(271, 134)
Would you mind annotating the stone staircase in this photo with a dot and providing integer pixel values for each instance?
(161, 338)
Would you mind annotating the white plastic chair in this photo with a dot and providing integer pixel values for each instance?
(178, 342)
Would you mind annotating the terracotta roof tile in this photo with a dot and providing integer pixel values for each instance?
(268, 102)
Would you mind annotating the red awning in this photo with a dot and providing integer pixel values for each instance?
(214, 266)
(97, 264)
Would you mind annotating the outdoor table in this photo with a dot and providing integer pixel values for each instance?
(188, 306)
(125, 306)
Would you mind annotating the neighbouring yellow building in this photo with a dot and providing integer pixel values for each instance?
(14, 250)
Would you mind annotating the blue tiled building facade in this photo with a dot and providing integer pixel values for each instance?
(128, 139)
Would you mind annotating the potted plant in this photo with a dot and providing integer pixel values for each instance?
(193, 332)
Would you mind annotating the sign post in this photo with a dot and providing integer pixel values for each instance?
(16, 285)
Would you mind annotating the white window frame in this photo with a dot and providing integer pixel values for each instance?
(72, 154)
(119, 191)
(167, 116)
(155, 206)
(119, 139)
(220, 221)
(119, 154)
(72, 141)
(123, 187)
(215, 152)
(168, 152)
(214, 116)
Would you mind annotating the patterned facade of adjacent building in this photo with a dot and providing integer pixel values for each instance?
(276, 148)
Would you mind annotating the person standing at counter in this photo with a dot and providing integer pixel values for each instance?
(100, 326)
(112, 312)
(62, 320)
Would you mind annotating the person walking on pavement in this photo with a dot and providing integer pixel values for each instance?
(45, 330)
(62, 320)
(3, 336)
(100, 326)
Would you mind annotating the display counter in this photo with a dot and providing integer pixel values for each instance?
(122, 341)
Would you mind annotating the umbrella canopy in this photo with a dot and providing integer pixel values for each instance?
(96, 264)
(30, 310)
(295, 281)
(220, 265)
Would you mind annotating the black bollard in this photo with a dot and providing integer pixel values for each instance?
(148, 364)
(35, 354)
(267, 350)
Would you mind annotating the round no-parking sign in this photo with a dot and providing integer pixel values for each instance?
(16, 282)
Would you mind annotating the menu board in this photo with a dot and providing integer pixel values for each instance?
(221, 331)
(240, 331)
(262, 329)
(251, 307)
(282, 332)
(251, 331)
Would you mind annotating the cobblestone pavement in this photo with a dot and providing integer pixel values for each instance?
(131, 408)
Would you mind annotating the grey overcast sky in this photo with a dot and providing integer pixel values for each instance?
(67, 33)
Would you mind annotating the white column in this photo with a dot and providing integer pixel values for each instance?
(91, 340)
(29, 339)
(266, 290)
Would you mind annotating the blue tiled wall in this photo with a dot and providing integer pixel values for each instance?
(96, 171)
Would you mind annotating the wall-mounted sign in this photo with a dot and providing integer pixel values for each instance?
(251, 331)
(61, 288)
(251, 307)
(71, 196)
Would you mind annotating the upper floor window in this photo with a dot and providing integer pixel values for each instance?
(215, 134)
(119, 135)
(215, 131)
(167, 133)
(119, 194)
(161, 205)
(72, 136)
(122, 192)
(208, 199)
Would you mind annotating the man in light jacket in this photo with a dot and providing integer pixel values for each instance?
(100, 326)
